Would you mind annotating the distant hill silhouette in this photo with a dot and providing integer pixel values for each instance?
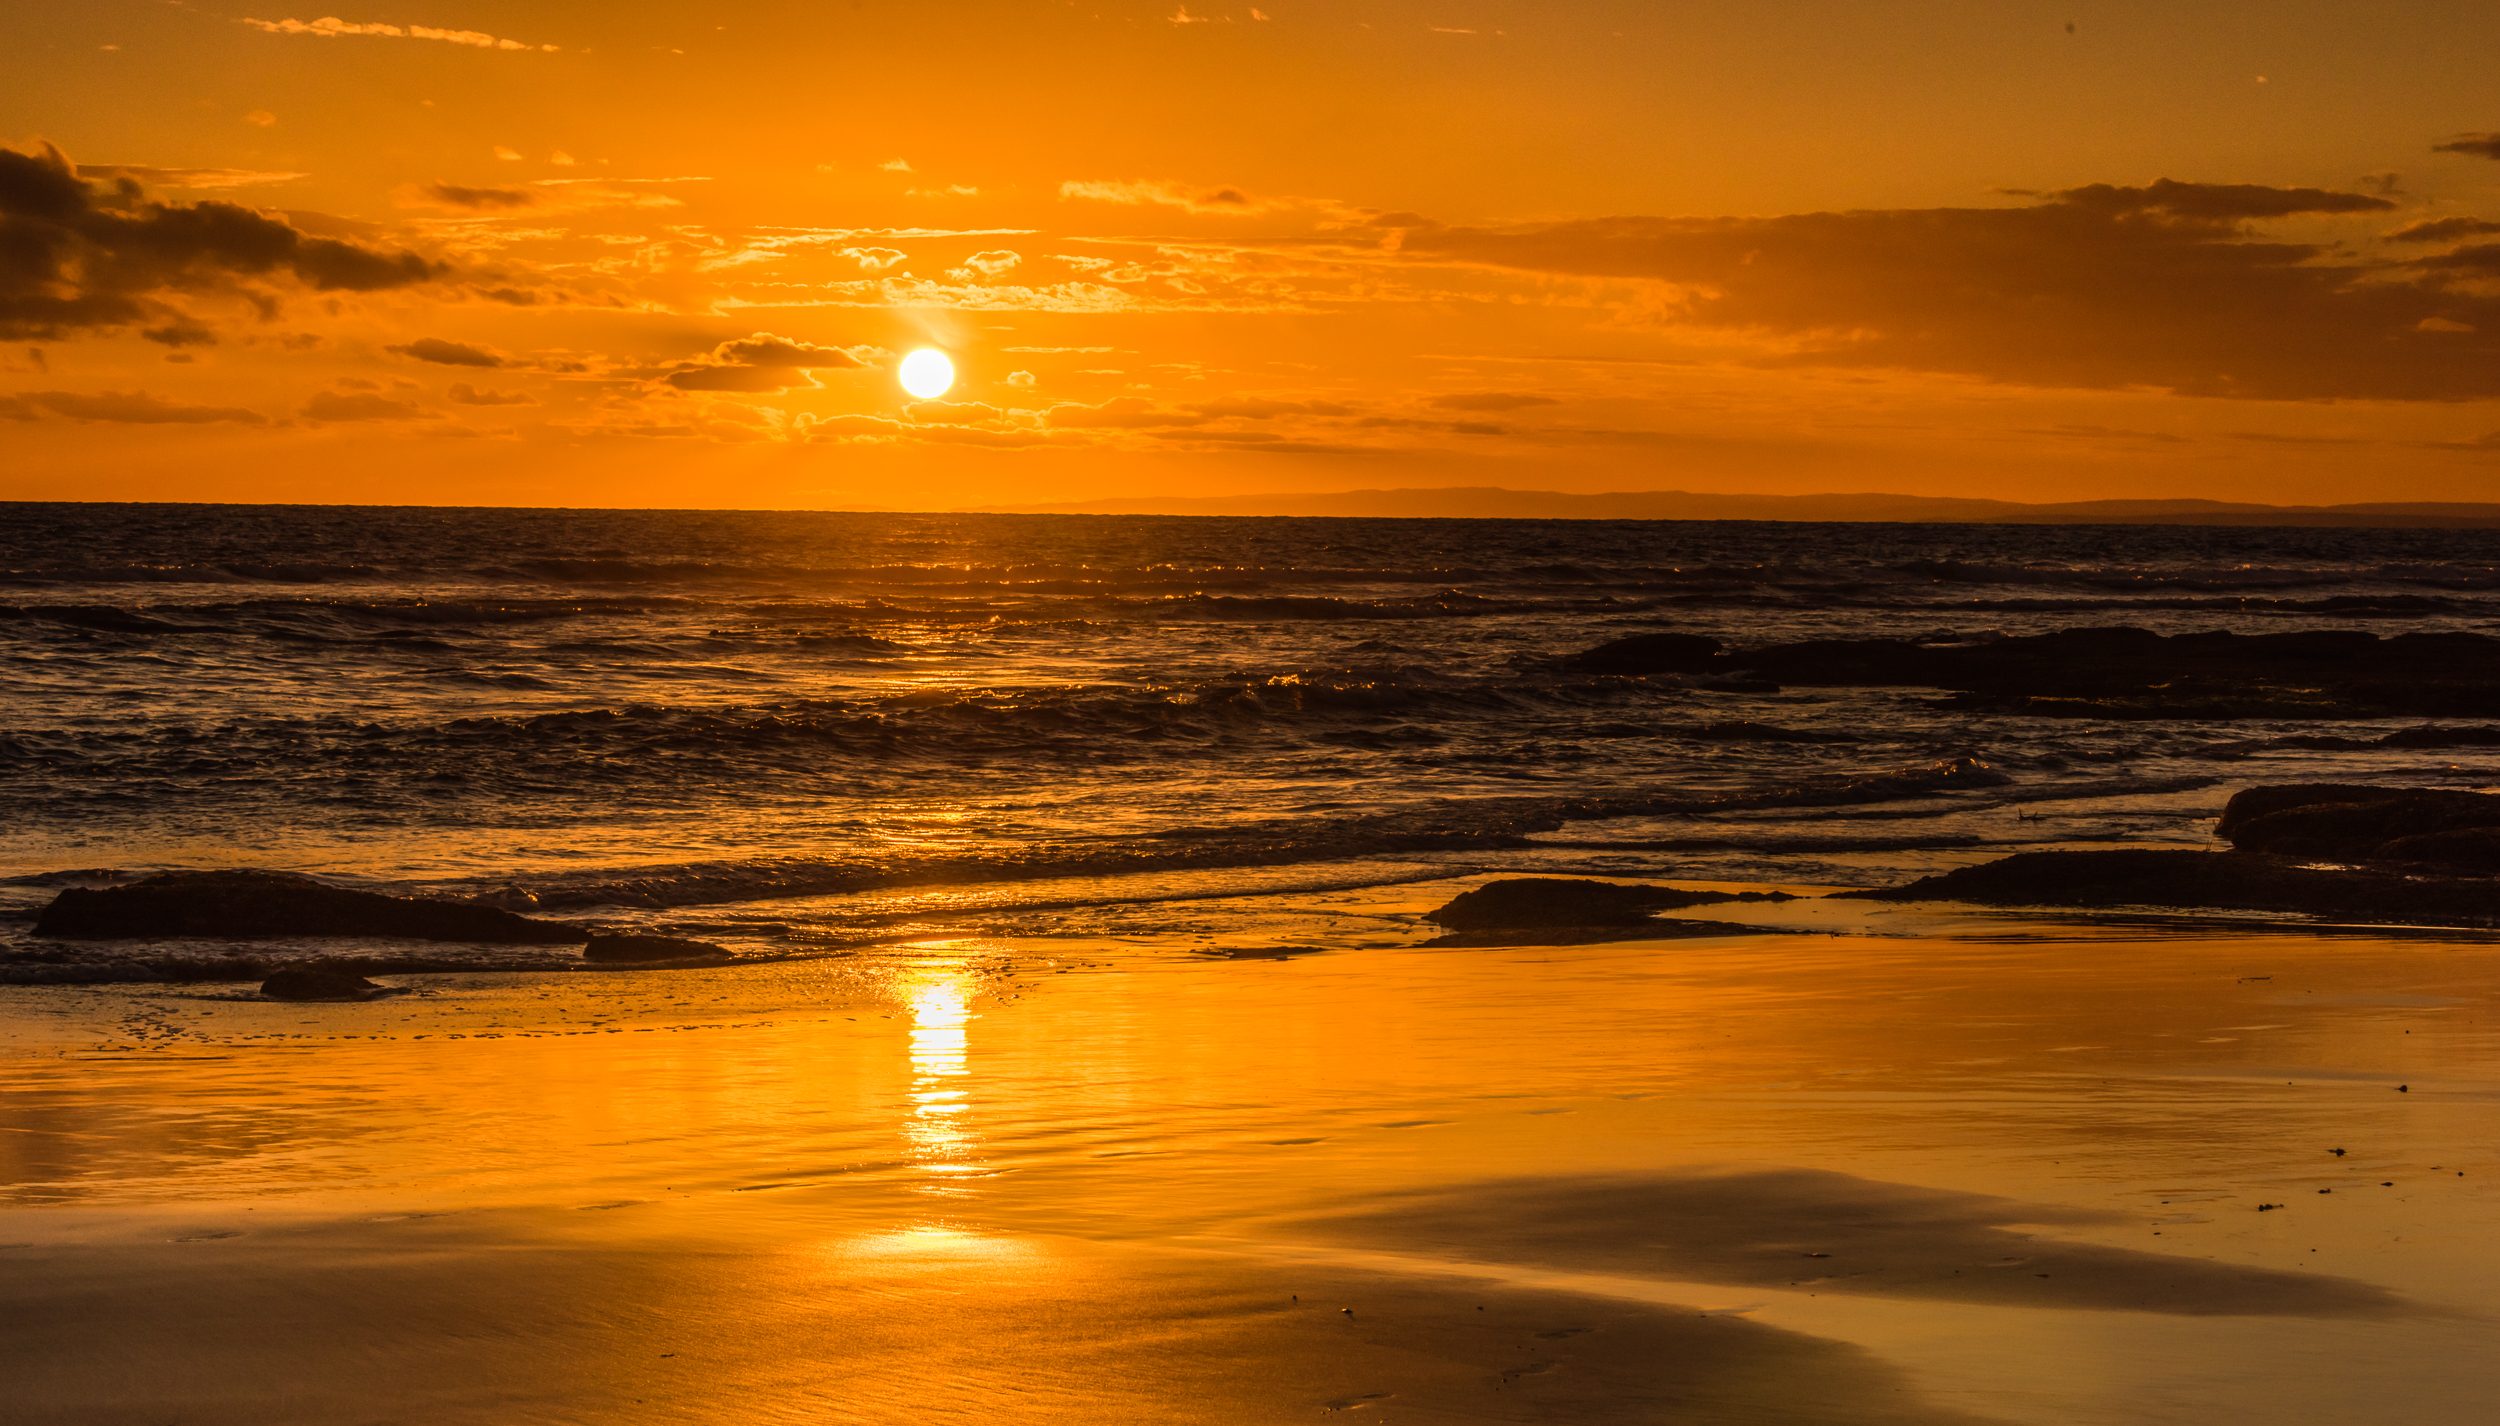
(1492, 502)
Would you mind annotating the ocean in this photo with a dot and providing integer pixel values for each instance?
(794, 731)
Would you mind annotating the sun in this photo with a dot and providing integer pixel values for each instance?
(927, 373)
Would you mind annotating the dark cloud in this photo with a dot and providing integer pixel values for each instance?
(77, 257)
(2440, 230)
(1260, 408)
(2479, 145)
(1490, 401)
(2474, 259)
(181, 332)
(468, 395)
(2216, 201)
(758, 363)
(184, 177)
(135, 407)
(476, 200)
(358, 406)
(752, 379)
(2164, 286)
(765, 349)
(435, 349)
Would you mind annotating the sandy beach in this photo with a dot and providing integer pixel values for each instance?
(1918, 1166)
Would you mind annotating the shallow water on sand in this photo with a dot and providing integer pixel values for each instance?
(1938, 1169)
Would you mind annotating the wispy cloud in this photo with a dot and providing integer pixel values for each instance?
(331, 27)
(1194, 198)
(135, 407)
(185, 177)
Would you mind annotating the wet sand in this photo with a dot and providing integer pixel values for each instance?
(1940, 1169)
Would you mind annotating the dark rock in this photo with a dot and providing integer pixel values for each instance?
(1557, 902)
(649, 948)
(1650, 653)
(263, 903)
(2340, 822)
(2467, 849)
(2233, 880)
(316, 983)
(1656, 929)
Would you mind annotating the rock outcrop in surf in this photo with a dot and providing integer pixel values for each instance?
(2125, 672)
(1561, 911)
(258, 904)
(2240, 881)
(2436, 827)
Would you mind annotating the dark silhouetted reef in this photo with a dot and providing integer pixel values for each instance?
(1562, 911)
(2135, 674)
(2239, 881)
(258, 904)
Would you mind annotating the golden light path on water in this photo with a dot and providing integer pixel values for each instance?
(939, 998)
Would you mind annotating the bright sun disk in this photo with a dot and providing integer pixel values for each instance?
(927, 373)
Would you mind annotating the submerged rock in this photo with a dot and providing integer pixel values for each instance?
(2341, 822)
(2240, 881)
(2126, 672)
(316, 983)
(1663, 928)
(613, 949)
(249, 904)
(1650, 653)
(1545, 902)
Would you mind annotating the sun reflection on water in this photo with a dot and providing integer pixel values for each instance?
(939, 999)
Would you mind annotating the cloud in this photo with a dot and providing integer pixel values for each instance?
(1122, 411)
(765, 349)
(180, 332)
(358, 406)
(874, 259)
(2165, 286)
(991, 264)
(76, 258)
(751, 379)
(1021, 380)
(2216, 201)
(443, 353)
(2479, 145)
(331, 27)
(1191, 197)
(467, 395)
(541, 195)
(184, 177)
(2440, 230)
(478, 199)
(762, 362)
(895, 165)
(1261, 408)
(135, 407)
(1490, 401)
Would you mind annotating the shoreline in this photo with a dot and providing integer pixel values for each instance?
(1096, 1158)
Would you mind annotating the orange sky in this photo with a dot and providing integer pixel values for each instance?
(630, 253)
